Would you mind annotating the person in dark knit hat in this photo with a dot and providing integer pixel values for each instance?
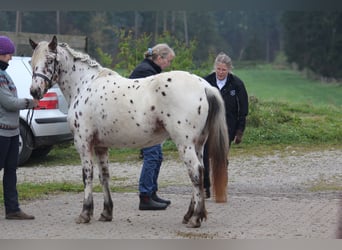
(10, 105)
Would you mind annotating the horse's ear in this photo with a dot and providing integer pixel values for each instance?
(33, 44)
(53, 44)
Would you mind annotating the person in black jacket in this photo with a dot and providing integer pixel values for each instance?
(235, 97)
(156, 59)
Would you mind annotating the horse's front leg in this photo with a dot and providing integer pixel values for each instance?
(196, 212)
(102, 156)
(88, 202)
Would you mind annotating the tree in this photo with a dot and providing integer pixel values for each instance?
(131, 51)
(313, 40)
(250, 35)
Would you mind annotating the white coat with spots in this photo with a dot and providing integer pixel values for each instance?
(108, 110)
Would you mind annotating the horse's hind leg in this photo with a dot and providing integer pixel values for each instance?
(102, 156)
(88, 202)
(196, 212)
(190, 211)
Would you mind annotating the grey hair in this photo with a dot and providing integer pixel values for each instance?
(161, 49)
(225, 59)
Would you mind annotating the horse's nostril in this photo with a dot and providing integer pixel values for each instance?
(34, 94)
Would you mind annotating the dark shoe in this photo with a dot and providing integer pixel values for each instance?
(20, 215)
(141, 154)
(160, 200)
(207, 193)
(147, 203)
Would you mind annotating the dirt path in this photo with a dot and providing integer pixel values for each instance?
(269, 198)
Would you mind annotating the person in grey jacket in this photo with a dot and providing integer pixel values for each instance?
(10, 105)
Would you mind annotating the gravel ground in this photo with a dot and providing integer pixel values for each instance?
(270, 197)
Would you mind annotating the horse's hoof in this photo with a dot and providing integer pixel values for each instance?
(82, 219)
(192, 224)
(185, 221)
(105, 218)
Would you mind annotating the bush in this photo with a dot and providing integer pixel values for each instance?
(272, 122)
(131, 51)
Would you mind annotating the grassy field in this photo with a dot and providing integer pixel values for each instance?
(286, 108)
(283, 85)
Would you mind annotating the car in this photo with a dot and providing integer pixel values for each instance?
(44, 126)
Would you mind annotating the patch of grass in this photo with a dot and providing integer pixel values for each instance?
(31, 191)
(323, 184)
(285, 149)
(62, 155)
(269, 83)
(66, 154)
(193, 235)
(272, 123)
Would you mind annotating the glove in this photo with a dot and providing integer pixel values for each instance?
(238, 137)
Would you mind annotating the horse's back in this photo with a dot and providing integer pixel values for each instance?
(173, 89)
(182, 79)
(142, 111)
(179, 86)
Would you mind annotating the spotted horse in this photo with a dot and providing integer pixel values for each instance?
(107, 110)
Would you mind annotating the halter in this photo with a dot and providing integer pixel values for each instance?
(47, 79)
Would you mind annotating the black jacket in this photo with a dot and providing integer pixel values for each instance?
(236, 102)
(146, 68)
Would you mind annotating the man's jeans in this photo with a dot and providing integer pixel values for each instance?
(153, 157)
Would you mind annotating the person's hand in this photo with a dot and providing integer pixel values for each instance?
(238, 137)
(36, 103)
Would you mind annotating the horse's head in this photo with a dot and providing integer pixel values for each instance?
(44, 66)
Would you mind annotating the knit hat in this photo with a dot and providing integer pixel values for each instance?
(6, 46)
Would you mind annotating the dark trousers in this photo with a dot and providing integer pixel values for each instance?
(206, 173)
(9, 150)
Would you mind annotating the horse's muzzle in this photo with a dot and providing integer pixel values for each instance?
(36, 93)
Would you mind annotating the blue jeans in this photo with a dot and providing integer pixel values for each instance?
(153, 157)
(9, 150)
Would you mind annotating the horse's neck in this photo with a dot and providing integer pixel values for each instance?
(75, 75)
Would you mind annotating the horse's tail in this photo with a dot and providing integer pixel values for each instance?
(218, 144)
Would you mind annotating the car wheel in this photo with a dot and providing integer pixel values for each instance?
(25, 144)
(41, 151)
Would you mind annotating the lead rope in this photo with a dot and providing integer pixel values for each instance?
(29, 117)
